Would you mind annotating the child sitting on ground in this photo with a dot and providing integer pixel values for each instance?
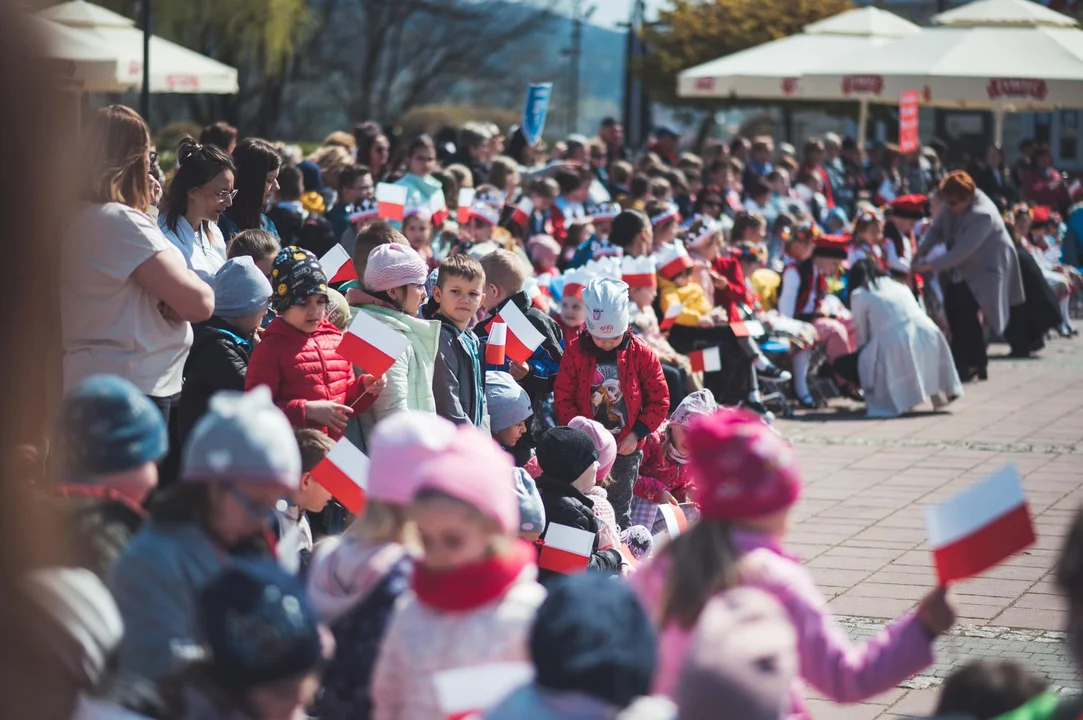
(614, 377)
(298, 356)
(509, 408)
(744, 518)
(222, 345)
(357, 578)
(664, 476)
(311, 497)
(475, 593)
(458, 376)
(569, 464)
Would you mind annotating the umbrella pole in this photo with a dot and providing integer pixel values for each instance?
(862, 121)
(998, 127)
(144, 99)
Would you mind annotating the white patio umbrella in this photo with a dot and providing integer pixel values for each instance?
(76, 61)
(773, 71)
(999, 55)
(173, 69)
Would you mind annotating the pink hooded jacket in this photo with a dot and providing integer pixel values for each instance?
(828, 661)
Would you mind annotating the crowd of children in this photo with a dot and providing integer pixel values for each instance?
(582, 388)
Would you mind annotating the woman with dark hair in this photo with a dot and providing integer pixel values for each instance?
(256, 167)
(902, 359)
(519, 149)
(128, 297)
(373, 149)
(200, 192)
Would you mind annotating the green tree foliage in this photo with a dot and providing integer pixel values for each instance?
(690, 32)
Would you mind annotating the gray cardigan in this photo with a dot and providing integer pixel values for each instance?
(155, 583)
(453, 382)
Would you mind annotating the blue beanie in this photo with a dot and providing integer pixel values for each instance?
(508, 403)
(591, 636)
(107, 426)
(259, 625)
(240, 289)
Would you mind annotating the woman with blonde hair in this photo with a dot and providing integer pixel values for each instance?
(127, 294)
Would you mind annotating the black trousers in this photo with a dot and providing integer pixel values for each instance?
(676, 380)
(967, 336)
(169, 467)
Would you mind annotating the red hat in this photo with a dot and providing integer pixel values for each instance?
(742, 468)
(1040, 215)
(911, 207)
(831, 246)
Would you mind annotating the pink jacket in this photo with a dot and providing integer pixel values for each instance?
(829, 662)
(421, 642)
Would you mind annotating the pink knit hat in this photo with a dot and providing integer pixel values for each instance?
(473, 469)
(392, 266)
(742, 468)
(604, 442)
(399, 444)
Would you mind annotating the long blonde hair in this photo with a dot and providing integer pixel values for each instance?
(116, 159)
(702, 563)
(382, 522)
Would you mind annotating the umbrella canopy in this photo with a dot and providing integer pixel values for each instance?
(1005, 55)
(772, 71)
(77, 61)
(173, 69)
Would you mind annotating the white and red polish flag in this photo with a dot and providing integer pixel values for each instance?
(439, 210)
(344, 473)
(566, 549)
(676, 522)
(523, 338)
(1075, 189)
(980, 527)
(672, 313)
(523, 211)
(496, 344)
(466, 199)
(338, 265)
(391, 200)
(371, 345)
(468, 693)
(706, 360)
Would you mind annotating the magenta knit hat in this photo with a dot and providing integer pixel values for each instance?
(473, 469)
(392, 266)
(398, 445)
(741, 467)
(604, 442)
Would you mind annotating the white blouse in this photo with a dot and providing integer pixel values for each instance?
(204, 252)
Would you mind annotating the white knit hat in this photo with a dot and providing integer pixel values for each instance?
(606, 302)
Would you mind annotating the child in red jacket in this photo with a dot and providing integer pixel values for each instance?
(298, 358)
(663, 474)
(611, 376)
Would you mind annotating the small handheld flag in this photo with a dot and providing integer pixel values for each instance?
(371, 345)
(496, 344)
(470, 692)
(466, 199)
(566, 549)
(676, 522)
(980, 527)
(523, 211)
(344, 473)
(523, 338)
(391, 200)
(706, 360)
(672, 313)
(338, 265)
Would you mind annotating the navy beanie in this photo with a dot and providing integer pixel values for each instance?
(107, 426)
(259, 625)
(592, 636)
(565, 453)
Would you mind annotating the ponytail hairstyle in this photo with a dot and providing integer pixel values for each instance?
(702, 563)
(253, 158)
(199, 164)
(117, 159)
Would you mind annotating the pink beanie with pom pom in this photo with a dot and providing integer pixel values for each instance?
(742, 468)
(604, 443)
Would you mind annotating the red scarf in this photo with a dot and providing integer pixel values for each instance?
(471, 586)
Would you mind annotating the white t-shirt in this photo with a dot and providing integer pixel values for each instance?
(205, 252)
(109, 322)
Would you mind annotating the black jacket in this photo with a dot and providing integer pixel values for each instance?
(564, 505)
(453, 384)
(217, 361)
(101, 523)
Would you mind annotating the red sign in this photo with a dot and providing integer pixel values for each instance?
(705, 83)
(789, 86)
(865, 84)
(1017, 88)
(908, 122)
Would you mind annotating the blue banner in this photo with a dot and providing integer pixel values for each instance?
(537, 105)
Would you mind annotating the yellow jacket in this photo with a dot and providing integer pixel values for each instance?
(696, 304)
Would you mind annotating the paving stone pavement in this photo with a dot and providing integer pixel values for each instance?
(859, 526)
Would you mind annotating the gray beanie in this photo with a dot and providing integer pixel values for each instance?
(508, 403)
(531, 509)
(240, 289)
(245, 438)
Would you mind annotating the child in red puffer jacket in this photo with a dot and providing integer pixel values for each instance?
(298, 359)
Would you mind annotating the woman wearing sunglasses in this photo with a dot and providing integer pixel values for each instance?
(200, 192)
